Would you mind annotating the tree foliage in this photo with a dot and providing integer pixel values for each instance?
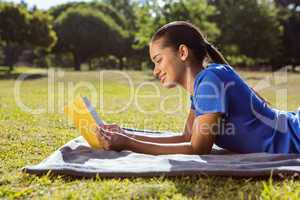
(248, 32)
(87, 33)
(250, 28)
(291, 37)
(153, 15)
(108, 9)
(21, 29)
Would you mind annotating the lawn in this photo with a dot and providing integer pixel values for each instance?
(27, 138)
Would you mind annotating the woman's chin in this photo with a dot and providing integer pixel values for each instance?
(169, 84)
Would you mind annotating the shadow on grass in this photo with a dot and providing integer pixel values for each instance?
(26, 76)
(82, 154)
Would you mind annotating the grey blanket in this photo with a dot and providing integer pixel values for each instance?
(76, 158)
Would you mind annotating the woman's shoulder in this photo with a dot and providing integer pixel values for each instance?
(216, 71)
(209, 90)
(219, 68)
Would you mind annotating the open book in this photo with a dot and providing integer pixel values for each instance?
(85, 119)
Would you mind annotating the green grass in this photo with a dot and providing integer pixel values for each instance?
(27, 138)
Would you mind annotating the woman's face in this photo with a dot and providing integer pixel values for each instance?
(169, 68)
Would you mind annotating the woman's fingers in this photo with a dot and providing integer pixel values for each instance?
(100, 136)
(105, 133)
(105, 140)
(106, 145)
(111, 127)
(111, 141)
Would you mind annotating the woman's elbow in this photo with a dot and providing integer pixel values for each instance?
(201, 150)
(186, 137)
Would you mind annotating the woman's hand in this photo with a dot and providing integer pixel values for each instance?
(112, 136)
(113, 128)
(116, 129)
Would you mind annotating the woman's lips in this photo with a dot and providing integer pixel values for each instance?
(162, 78)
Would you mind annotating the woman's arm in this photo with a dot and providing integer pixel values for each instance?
(202, 139)
(158, 148)
(185, 137)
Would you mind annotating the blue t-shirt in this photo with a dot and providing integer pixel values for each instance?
(248, 123)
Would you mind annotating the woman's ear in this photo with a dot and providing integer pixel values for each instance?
(183, 52)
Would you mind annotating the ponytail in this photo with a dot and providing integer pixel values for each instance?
(217, 57)
(215, 54)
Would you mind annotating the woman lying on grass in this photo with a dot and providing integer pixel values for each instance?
(224, 109)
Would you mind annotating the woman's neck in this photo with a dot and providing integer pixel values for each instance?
(188, 79)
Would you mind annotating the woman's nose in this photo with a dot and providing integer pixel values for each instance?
(155, 71)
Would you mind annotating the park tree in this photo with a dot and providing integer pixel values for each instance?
(105, 8)
(87, 33)
(291, 35)
(153, 14)
(115, 11)
(126, 8)
(251, 32)
(41, 33)
(21, 30)
(13, 30)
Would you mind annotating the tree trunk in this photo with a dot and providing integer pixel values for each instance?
(293, 68)
(77, 62)
(11, 68)
(11, 53)
(121, 63)
(90, 65)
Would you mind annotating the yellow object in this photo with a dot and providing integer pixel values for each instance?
(85, 119)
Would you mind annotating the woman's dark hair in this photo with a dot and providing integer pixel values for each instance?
(180, 32)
